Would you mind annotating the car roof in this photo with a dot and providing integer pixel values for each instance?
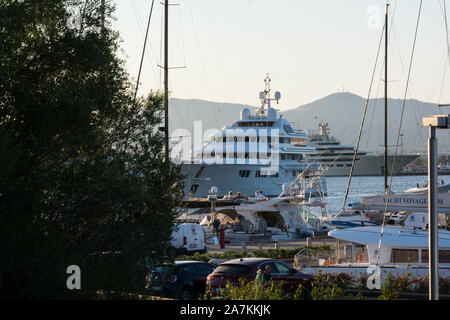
(247, 261)
(181, 262)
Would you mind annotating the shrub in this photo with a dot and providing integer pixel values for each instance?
(328, 286)
(253, 290)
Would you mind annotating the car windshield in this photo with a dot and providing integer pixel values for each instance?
(232, 269)
(162, 269)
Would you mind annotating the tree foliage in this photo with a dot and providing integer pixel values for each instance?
(83, 179)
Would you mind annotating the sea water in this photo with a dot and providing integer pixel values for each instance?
(367, 186)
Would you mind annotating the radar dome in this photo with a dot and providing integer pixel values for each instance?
(271, 113)
(245, 114)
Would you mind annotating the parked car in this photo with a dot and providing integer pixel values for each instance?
(182, 279)
(246, 268)
(189, 238)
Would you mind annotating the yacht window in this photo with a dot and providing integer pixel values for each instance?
(405, 255)
(444, 256)
(247, 139)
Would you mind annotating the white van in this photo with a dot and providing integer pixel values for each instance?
(189, 238)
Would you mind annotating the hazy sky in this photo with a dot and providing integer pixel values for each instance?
(311, 48)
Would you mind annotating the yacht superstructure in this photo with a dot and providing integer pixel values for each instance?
(338, 158)
(260, 151)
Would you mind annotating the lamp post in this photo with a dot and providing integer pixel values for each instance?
(433, 122)
(212, 196)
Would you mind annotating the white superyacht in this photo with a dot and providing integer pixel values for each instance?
(259, 151)
(338, 157)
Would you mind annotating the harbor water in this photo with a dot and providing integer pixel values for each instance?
(367, 186)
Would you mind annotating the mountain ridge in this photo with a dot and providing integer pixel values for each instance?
(341, 110)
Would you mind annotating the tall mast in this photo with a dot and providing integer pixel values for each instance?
(166, 78)
(385, 102)
(102, 14)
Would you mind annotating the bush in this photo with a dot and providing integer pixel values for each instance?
(252, 290)
(391, 287)
(328, 286)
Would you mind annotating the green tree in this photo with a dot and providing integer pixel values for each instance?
(83, 179)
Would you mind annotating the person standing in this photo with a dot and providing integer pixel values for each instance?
(263, 275)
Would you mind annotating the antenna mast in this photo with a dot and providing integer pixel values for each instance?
(166, 78)
(264, 96)
(385, 103)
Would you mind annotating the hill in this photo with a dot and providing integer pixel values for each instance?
(343, 112)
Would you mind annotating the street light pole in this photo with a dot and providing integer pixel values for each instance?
(433, 288)
(433, 122)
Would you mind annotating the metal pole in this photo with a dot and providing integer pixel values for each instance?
(102, 14)
(433, 257)
(385, 101)
(143, 51)
(166, 77)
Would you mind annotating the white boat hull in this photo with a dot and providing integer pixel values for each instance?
(369, 165)
(227, 178)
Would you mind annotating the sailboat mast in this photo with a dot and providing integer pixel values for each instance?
(166, 78)
(385, 102)
(102, 13)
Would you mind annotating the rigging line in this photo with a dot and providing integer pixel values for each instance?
(185, 69)
(398, 134)
(176, 107)
(446, 29)
(317, 159)
(161, 46)
(375, 101)
(448, 43)
(362, 121)
(381, 75)
(442, 87)
(444, 12)
(203, 63)
(143, 50)
(140, 26)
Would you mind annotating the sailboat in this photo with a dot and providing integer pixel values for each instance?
(398, 249)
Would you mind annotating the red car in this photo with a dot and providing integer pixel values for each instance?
(246, 268)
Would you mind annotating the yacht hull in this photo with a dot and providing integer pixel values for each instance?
(370, 166)
(199, 178)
